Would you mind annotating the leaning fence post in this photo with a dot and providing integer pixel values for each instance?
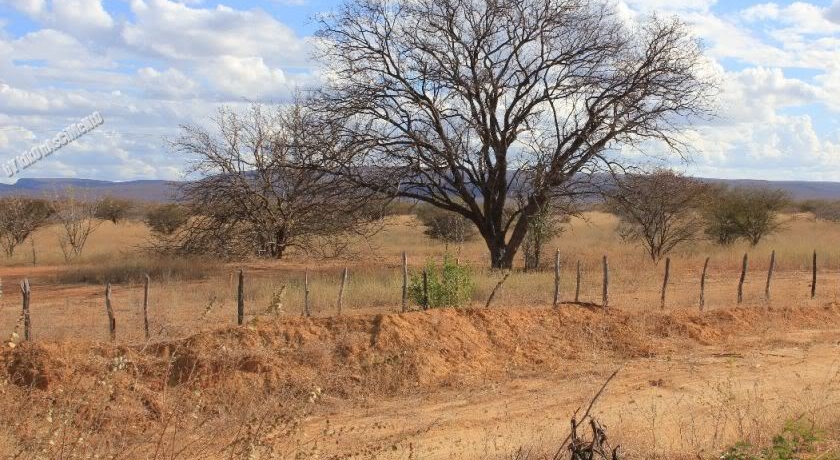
(341, 290)
(605, 295)
(405, 282)
(306, 311)
(240, 298)
(577, 284)
(741, 280)
(770, 275)
(557, 278)
(703, 285)
(814, 276)
(112, 322)
(27, 324)
(665, 281)
(146, 307)
(425, 289)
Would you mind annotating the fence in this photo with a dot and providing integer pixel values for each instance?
(558, 290)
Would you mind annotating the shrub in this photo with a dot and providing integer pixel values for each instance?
(134, 271)
(114, 209)
(450, 284)
(798, 437)
(741, 213)
(166, 219)
(446, 226)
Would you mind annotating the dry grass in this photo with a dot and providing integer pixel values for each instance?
(191, 295)
(699, 402)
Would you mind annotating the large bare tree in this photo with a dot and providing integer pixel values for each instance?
(465, 103)
(253, 194)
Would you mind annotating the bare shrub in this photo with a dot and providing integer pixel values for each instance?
(446, 226)
(19, 218)
(660, 210)
(256, 193)
(76, 215)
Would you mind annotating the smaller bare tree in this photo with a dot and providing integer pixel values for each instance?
(76, 215)
(660, 210)
(546, 224)
(19, 218)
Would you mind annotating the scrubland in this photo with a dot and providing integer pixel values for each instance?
(446, 383)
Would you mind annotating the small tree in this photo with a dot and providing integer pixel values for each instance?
(19, 218)
(446, 226)
(76, 215)
(114, 209)
(544, 226)
(742, 213)
(659, 210)
(166, 219)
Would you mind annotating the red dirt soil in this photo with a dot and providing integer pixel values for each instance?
(135, 391)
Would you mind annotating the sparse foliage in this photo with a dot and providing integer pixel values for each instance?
(660, 210)
(463, 104)
(19, 218)
(544, 225)
(741, 213)
(166, 219)
(76, 215)
(450, 284)
(114, 209)
(445, 226)
(256, 193)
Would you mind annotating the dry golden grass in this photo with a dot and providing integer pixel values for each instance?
(184, 302)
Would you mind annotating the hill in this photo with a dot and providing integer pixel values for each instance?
(162, 190)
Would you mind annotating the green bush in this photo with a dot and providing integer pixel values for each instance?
(798, 437)
(450, 284)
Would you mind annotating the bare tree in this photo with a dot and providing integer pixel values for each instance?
(459, 103)
(19, 218)
(76, 214)
(660, 210)
(256, 194)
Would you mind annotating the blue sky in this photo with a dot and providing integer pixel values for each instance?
(149, 66)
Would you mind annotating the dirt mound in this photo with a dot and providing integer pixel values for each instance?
(396, 352)
(291, 362)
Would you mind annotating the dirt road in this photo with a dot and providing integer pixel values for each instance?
(693, 402)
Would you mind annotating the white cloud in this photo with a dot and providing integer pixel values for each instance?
(177, 32)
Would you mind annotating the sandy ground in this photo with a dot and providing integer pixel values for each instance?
(695, 402)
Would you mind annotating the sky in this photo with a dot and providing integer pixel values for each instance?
(150, 66)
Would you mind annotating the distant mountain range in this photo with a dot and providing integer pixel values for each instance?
(162, 191)
(143, 190)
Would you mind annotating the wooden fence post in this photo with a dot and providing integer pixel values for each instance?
(341, 290)
(557, 279)
(27, 323)
(605, 295)
(665, 281)
(112, 322)
(741, 280)
(577, 284)
(425, 289)
(146, 307)
(770, 275)
(703, 285)
(814, 276)
(306, 311)
(240, 299)
(496, 289)
(405, 282)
